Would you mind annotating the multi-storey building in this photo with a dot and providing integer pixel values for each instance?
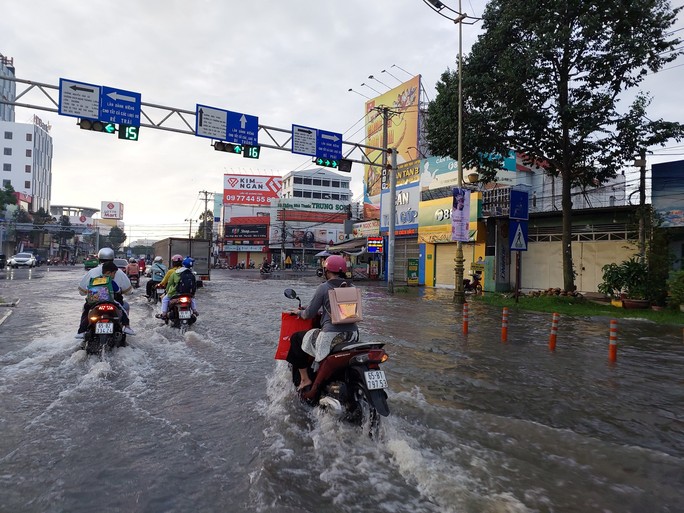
(8, 89)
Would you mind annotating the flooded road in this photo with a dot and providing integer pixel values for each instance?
(209, 422)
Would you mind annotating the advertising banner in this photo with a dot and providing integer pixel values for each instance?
(667, 191)
(256, 231)
(111, 210)
(460, 215)
(250, 189)
(434, 220)
(402, 132)
(407, 200)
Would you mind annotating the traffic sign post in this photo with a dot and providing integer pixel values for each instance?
(517, 235)
(519, 205)
(101, 103)
(225, 125)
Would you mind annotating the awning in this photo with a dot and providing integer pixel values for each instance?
(349, 245)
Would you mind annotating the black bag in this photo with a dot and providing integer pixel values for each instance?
(187, 283)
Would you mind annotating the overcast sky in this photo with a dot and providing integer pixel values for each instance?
(283, 61)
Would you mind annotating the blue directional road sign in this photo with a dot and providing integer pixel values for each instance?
(90, 101)
(316, 142)
(225, 125)
(517, 235)
(242, 129)
(520, 208)
(119, 106)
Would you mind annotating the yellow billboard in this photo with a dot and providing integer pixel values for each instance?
(402, 133)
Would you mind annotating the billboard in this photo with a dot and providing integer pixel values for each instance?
(402, 133)
(249, 231)
(667, 190)
(250, 189)
(111, 210)
(406, 211)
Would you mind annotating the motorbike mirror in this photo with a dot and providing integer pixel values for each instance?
(319, 272)
(290, 294)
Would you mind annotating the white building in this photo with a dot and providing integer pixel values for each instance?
(26, 160)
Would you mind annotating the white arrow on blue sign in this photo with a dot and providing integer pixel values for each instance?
(225, 125)
(119, 106)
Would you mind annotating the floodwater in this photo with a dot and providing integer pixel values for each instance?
(210, 423)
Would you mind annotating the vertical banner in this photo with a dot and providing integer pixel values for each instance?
(412, 268)
(460, 215)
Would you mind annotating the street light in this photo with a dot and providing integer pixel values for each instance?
(458, 17)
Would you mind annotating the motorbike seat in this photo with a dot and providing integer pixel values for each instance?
(348, 345)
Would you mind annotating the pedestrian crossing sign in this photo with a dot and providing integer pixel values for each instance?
(517, 235)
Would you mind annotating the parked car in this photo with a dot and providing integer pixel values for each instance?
(121, 263)
(90, 262)
(22, 260)
(3, 260)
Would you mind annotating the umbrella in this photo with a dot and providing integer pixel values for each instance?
(323, 254)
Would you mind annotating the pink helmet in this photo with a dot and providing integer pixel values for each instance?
(177, 258)
(335, 264)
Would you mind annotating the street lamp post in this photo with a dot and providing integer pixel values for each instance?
(458, 17)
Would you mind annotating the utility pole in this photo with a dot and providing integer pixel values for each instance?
(642, 203)
(391, 170)
(204, 215)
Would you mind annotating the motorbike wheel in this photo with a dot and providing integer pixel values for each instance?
(183, 328)
(478, 289)
(364, 413)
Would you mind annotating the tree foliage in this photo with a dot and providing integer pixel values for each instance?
(546, 79)
(7, 197)
(116, 238)
(206, 223)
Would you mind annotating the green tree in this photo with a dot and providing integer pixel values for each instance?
(545, 79)
(205, 226)
(40, 219)
(116, 237)
(65, 231)
(7, 197)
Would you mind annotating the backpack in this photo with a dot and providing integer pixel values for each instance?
(187, 284)
(345, 304)
(100, 289)
(158, 272)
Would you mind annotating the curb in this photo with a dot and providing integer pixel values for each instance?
(13, 303)
(5, 316)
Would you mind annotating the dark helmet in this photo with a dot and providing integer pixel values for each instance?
(133, 260)
(105, 254)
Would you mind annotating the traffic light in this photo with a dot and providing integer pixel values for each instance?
(340, 165)
(129, 132)
(229, 147)
(251, 152)
(96, 126)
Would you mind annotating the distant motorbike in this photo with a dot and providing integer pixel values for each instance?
(180, 312)
(104, 328)
(348, 382)
(474, 285)
(156, 295)
(135, 280)
(265, 268)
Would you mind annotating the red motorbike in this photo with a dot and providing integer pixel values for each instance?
(349, 381)
(473, 285)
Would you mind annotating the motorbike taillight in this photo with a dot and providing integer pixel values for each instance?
(184, 299)
(377, 355)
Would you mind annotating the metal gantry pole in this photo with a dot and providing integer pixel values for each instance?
(392, 221)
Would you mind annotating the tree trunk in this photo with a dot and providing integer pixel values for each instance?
(566, 239)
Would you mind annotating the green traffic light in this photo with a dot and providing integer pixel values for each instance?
(237, 148)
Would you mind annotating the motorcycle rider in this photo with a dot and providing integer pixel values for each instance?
(158, 273)
(317, 342)
(171, 281)
(120, 278)
(133, 269)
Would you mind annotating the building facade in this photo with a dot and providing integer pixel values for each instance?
(8, 89)
(26, 160)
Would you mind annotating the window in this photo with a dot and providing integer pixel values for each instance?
(29, 137)
(29, 153)
(8, 151)
(306, 181)
(297, 194)
(316, 181)
(317, 195)
(306, 194)
(345, 185)
(8, 135)
(5, 183)
(27, 184)
(325, 183)
(297, 179)
(27, 168)
(336, 196)
(7, 167)
(335, 183)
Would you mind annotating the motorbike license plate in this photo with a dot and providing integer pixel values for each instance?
(184, 314)
(375, 379)
(104, 328)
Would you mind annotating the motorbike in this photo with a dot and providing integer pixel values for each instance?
(156, 296)
(104, 328)
(348, 382)
(135, 280)
(473, 285)
(180, 312)
(265, 269)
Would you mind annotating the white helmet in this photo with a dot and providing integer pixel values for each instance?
(158, 259)
(105, 254)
